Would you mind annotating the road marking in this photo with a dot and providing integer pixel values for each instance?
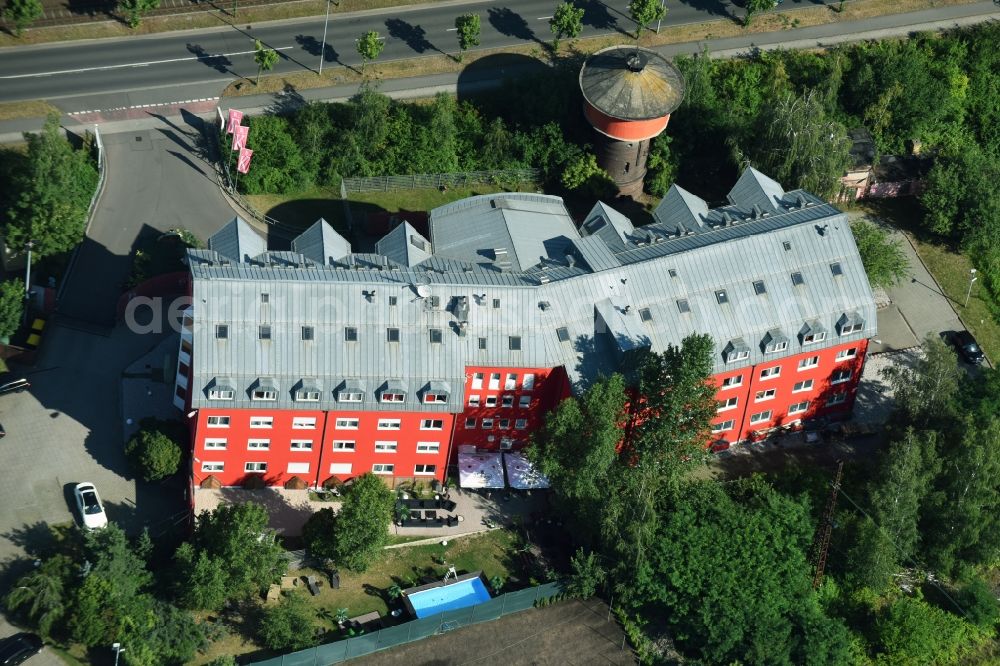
(544, 18)
(144, 106)
(450, 29)
(135, 64)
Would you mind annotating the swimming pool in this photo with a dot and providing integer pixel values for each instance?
(427, 600)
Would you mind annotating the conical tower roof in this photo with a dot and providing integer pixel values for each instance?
(631, 83)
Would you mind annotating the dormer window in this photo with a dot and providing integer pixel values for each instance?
(436, 393)
(393, 391)
(736, 350)
(264, 394)
(850, 323)
(222, 389)
(812, 332)
(774, 342)
(351, 390)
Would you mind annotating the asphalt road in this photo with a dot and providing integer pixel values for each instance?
(66, 71)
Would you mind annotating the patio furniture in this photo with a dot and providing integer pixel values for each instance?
(423, 520)
(313, 587)
(448, 505)
(335, 581)
(415, 515)
(430, 515)
(440, 520)
(428, 504)
(452, 521)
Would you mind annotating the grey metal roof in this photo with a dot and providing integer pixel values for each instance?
(321, 243)
(755, 189)
(679, 209)
(404, 245)
(631, 83)
(608, 224)
(598, 304)
(237, 241)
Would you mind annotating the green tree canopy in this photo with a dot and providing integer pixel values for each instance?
(11, 306)
(584, 175)
(41, 597)
(467, 27)
(911, 631)
(153, 451)
(22, 13)
(288, 625)
(278, 166)
(754, 7)
(884, 260)
(566, 21)
(133, 10)
(362, 526)
(237, 536)
(369, 47)
(644, 12)
(265, 57)
(200, 580)
(925, 393)
(587, 574)
(320, 534)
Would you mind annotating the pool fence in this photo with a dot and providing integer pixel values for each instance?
(415, 630)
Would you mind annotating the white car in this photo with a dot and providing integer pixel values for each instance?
(91, 509)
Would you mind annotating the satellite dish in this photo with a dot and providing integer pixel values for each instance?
(423, 291)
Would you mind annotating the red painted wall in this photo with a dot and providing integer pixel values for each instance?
(625, 130)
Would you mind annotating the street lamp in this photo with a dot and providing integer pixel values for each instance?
(326, 23)
(117, 647)
(660, 20)
(27, 280)
(972, 278)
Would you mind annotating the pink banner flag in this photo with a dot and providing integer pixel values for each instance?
(235, 118)
(243, 164)
(240, 137)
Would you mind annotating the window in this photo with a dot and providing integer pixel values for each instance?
(721, 296)
(786, 245)
(213, 466)
(220, 394)
(836, 269)
(304, 422)
(434, 302)
(350, 334)
(301, 445)
(732, 382)
(766, 394)
(505, 424)
(529, 382)
(491, 401)
(383, 468)
(759, 288)
(507, 400)
(521, 424)
(510, 383)
(389, 424)
(432, 424)
(435, 336)
(392, 335)
(775, 347)
(805, 385)
(473, 401)
(729, 403)
(810, 362)
(737, 355)
(562, 334)
(840, 377)
(386, 447)
(393, 300)
(514, 343)
(524, 401)
(262, 444)
(424, 470)
(487, 424)
(494, 381)
(470, 424)
(261, 421)
(428, 447)
(477, 380)
(350, 396)
(343, 445)
(645, 314)
(797, 280)
(255, 467)
(496, 303)
(760, 417)
(347, 424)
(221, 331)
(341, 468)
(265, 298)
(307, 395)
(724, 426)
(768, 373)
(798, 407)
(813, 338)
(435, 398)
(298, 468)
(264, 332)
(836, 399)
(482, 343)
(388, 396)
(218, 422)
(215, 444)
(682, 306)
(845, 354)
(264, 394)
(856, 327)
(671, 272)
(308, 333)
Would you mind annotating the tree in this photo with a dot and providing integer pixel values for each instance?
(200, 579)
(925, 394)
(54, 191)
(662, 166)
(584, 175)
(133, 10)
(266, 58)
(369, 48)
(319, 534)
(644, 12)
(238, 536)
(11, 306)
(586, 576)
(41, 596)
(154, 455)
(288, 625)
(278, 167)
(883, 258)
(362, 526)
(467, 26)
(911, 631)
(567, 21)
(872, 558)
(798, 144)
(22, 13)
(754, 7)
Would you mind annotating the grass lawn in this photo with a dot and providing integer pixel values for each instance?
(949, 267)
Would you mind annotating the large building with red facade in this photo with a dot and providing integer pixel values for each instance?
(318, 362)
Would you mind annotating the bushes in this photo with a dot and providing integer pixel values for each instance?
(288, 625)
(154, 452)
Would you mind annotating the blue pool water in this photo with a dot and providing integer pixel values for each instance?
(448, 597)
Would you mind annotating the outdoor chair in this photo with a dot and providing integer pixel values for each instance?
(430, 515)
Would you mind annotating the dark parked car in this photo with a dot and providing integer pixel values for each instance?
(967, 347)
(17, 648)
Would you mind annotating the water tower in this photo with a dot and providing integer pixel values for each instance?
(628, 95)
